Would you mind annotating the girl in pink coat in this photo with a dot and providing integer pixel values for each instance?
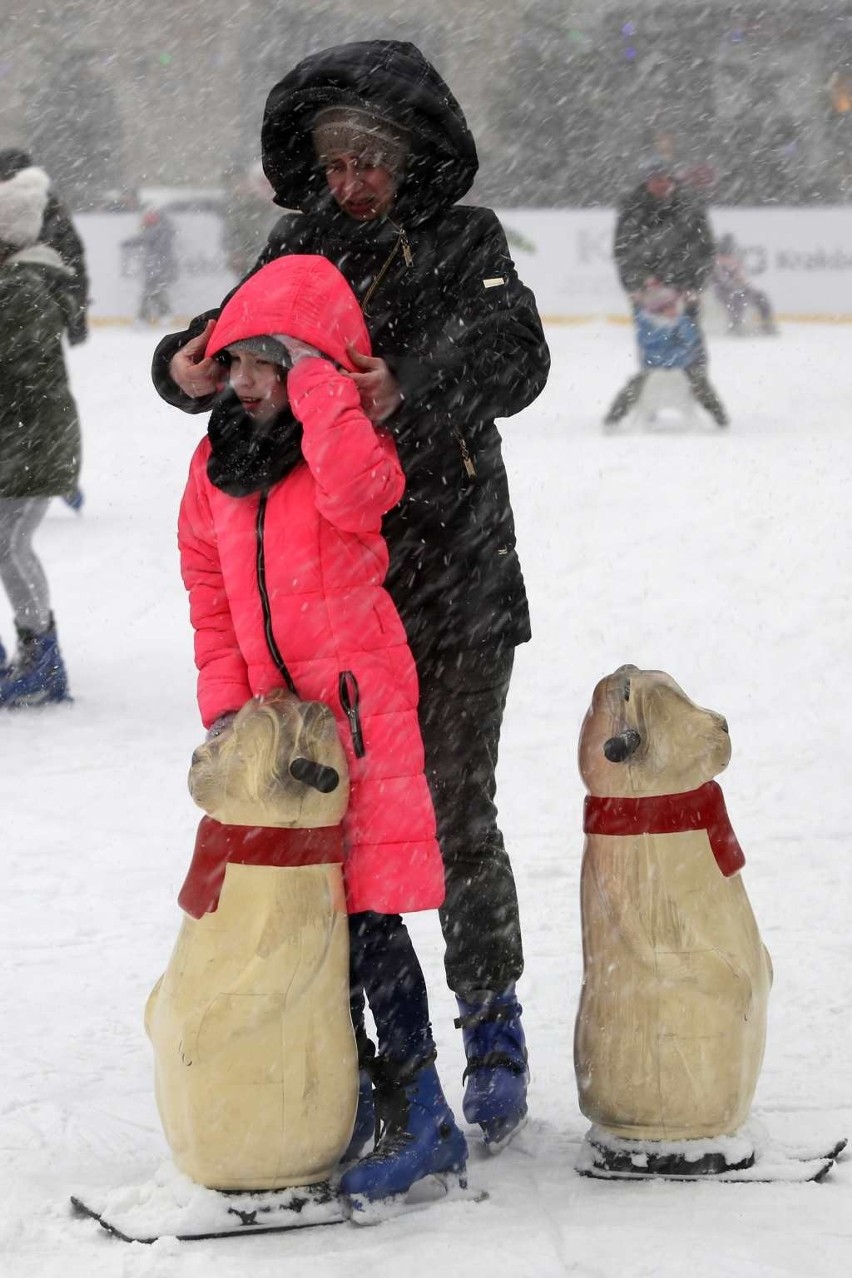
(280, 534)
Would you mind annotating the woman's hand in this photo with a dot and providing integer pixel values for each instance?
(377, 386)
(195, 375)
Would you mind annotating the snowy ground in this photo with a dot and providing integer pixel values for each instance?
(724, 559)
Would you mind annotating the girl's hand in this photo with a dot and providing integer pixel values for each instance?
(195, 375)
(377, 386)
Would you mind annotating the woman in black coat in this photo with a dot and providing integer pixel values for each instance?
(457, 341)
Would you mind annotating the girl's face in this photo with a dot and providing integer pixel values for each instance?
(259, 385)
(363, 188)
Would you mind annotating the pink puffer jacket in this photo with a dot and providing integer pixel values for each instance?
(321, 571)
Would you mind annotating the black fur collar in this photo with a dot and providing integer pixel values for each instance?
(248, 457)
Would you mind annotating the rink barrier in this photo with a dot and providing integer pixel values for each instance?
(177, 322)
(801, 257)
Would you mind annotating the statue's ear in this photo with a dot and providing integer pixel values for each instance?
(619, 748)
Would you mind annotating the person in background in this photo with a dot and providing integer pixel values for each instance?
(663, 239)
(736, 292)
(369, 144)
(58, 230)
(39, 431)
(283, 557)
(249, 216)
(155, 246)
(698, 177)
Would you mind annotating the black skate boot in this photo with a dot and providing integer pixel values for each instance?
(706, 396)
(626, 398)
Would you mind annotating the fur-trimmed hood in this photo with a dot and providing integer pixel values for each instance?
(40, 255)
(395, 81)
(23, 199)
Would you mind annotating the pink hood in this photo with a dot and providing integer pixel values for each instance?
(302, 296)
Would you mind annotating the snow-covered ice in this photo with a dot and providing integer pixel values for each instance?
(724, 559)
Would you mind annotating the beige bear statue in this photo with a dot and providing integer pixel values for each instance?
(671, 1025)
(255, 1063)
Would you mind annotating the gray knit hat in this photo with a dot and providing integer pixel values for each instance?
(264, 348)
(356, 130)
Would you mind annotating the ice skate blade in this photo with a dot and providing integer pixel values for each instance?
(36, 701)
(761, 1163)
(437, 1188)
(161, 1208)
(766, 1171)
(673, 1163)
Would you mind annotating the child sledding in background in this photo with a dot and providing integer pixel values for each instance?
(666, 332)
(663, 250)
(668, 337)
(39, 431)
(283, 556)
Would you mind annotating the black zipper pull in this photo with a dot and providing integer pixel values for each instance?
(347, 690)
(467, 460)
(407, 255)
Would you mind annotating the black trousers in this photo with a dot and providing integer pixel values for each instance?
(383, 964)
(462, 699)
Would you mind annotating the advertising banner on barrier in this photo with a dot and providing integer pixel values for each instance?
(801, 257)
(115, 265)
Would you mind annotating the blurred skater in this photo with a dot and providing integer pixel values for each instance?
(249, 216)
(58, 230)
(735, 291)
(663, 239)
(39, 431)
(155, 245)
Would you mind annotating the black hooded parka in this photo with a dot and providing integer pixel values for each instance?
(445, 309)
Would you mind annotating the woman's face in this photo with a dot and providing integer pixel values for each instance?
(363, 188)
(258, 384)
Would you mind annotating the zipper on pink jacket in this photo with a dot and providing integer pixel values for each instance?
(347, 690)
(271, 643)
(347, 684)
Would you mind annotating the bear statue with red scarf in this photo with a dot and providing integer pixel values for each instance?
(671, 1026)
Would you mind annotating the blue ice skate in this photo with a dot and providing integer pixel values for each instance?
(37, 675)
(75, 500)
(497, 1074)
(419, 1139)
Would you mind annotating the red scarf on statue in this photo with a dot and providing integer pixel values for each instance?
(701, 809)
